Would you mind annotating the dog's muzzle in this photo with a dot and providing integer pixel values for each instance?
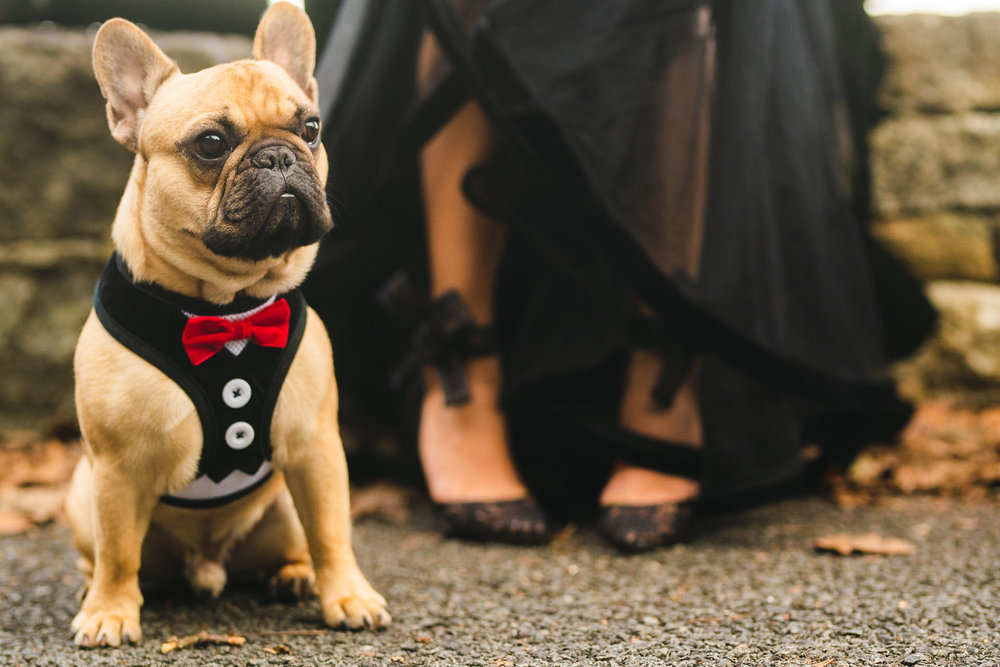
(274, 203)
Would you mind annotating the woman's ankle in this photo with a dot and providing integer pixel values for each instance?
(678, 423)
(641, 412)
(633, 485)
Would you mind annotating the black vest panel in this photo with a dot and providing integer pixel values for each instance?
(149, 321)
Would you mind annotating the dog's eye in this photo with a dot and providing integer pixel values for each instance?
(310, 131)
(210, 145)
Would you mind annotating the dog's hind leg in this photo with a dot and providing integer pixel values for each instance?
(277, 548)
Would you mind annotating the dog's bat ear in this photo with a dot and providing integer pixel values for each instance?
(129, 68)
(285, 36)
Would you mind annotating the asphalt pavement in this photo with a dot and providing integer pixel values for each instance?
(750, 589)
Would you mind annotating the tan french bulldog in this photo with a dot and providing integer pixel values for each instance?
(219, 223)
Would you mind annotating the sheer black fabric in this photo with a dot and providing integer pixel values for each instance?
(705, 159)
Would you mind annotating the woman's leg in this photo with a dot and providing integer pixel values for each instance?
(681, 160)
(641, 508)
(463, 448)
(679, 423)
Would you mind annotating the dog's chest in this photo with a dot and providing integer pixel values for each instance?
(233, 389)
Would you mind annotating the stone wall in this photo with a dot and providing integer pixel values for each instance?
(936, 173)
(936, 167)
(61, 176)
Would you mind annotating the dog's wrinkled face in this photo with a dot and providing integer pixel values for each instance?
(230, 158)
(245, 164)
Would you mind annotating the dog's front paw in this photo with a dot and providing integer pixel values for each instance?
(106, 625)
(355, 605)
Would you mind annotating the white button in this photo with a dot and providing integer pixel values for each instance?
(236, 393)
(239, 435)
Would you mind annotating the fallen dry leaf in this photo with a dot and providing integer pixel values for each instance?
(561, 539)
(24, 461)
(39, 504)
(12, 523)
(202, 637)
(990, 473)
(382, 500)
(845, 494)
(872, 465)
(946, 450)
(34, 474)
(867, 543)
(938, 475)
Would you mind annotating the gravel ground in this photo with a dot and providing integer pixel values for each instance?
(749, 590)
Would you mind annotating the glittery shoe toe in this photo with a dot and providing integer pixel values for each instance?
(511, 521)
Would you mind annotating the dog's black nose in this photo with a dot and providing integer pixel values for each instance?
(273, 157)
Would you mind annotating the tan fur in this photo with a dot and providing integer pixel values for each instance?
(141, 432)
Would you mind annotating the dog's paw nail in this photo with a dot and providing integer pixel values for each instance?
(334, 616)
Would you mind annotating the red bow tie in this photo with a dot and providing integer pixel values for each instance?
(204, 336)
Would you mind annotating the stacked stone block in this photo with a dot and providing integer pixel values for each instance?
(936, 173)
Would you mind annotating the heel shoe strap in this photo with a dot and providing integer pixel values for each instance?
(676, 357)
(445, 335)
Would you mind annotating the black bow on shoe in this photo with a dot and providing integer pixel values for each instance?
(676, 357)
(445, 335)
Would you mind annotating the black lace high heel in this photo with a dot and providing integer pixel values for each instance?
(639, 528)
(446, 336)
(510, 521)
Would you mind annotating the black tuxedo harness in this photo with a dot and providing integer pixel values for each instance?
(234, 394)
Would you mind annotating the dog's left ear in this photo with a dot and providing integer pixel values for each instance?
(285, 36)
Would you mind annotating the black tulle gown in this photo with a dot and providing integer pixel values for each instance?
(705, 158)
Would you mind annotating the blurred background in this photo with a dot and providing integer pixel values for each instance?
(227, 16)
(936, 204)
(953, 7)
